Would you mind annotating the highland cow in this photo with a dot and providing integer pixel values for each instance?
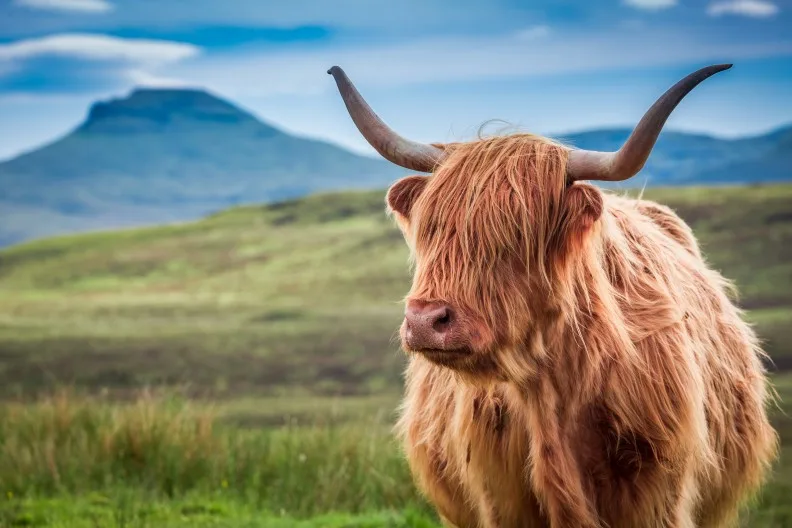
(573, 360)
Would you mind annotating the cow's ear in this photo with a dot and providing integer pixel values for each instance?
(403, 193)
(581, 207)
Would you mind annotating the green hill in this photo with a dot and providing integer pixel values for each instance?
(300, 296)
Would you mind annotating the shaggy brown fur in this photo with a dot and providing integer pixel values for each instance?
(612, 383)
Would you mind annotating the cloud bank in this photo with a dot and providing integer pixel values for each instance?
(651, 5)
(99, 48)
(84, 63)
(749, 8)
(84, 6)
(468, 59)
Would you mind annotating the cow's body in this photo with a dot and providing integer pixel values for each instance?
(502, 455)
(574, 362)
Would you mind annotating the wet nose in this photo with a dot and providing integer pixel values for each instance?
(429, 325)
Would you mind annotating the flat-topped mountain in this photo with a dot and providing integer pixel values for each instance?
(148, 110)
(166, 155)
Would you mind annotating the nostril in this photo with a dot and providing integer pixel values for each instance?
(442, 322)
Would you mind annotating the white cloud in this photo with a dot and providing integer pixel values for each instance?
(85, 6)
(531, 33)
(460, 59)
(651, 5)
(94, 47)
(750, 8)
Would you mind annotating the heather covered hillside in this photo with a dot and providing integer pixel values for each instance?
(300, 296)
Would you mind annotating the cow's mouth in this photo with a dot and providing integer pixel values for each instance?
(447, 351)
(444, 356)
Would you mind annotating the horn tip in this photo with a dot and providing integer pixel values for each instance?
(716, 68)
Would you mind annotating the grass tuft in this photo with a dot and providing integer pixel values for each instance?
(171, 448)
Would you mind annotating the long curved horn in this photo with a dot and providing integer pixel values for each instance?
(391, 146)
(630, 158)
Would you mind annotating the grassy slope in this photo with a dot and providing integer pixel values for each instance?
(295, 297)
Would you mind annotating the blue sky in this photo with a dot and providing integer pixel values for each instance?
(433, 69)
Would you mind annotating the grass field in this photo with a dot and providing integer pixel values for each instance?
(300, 297)
(277, 324)
(155, 461)
(163, 461)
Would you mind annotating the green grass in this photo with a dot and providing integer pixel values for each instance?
(301, 297)
(129, 509)
(170, 447)
(160, 460)
(156, 460)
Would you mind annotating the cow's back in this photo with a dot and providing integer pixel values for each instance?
(667, 220)
(726, 351)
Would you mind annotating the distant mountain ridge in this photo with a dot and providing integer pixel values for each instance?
(164, 155)
(681, 158)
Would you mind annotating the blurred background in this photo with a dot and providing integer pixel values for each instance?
(199, 287)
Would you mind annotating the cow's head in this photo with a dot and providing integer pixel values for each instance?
(492, 227)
